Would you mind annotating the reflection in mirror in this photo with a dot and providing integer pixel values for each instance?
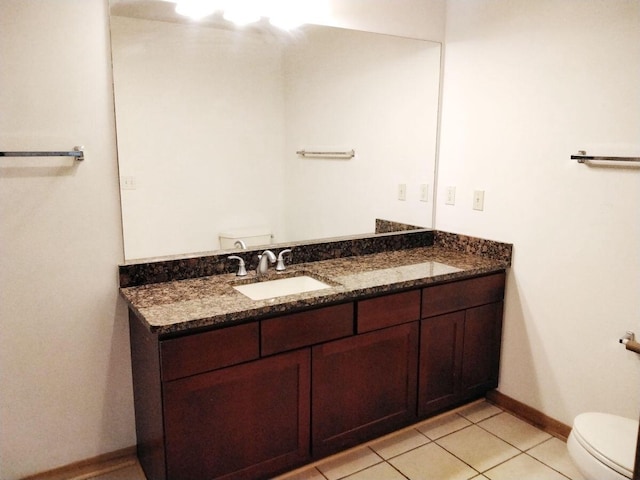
(210, 117)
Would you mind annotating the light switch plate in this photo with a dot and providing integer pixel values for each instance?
(424, 192)
(402, 191)
(451, 196)
(478, 200)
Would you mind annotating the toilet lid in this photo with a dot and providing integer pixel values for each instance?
(609, 438)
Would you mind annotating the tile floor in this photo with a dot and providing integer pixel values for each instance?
(479, 441)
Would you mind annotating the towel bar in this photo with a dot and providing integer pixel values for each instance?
(582, 157)
(77, 152)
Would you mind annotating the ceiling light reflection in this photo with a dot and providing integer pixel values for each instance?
(241, 16)
(285, 14)
(196, 9)
(286, 23)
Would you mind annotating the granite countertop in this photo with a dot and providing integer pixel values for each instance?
(211, 301)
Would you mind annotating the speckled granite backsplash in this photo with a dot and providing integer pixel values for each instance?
(388, 226)
(474, 246)
(169, 269)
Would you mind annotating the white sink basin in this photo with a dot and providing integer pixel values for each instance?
(281, 287)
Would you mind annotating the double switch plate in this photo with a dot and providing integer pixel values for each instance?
(478, 198)
(424, 192)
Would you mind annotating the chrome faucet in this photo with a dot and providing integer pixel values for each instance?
(240, 244)
(242, 271)
(263, 262)
(280, 266)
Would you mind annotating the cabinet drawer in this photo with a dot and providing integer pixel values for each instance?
(463, 294)
(306, 328)
(201, 352)
(389, 310)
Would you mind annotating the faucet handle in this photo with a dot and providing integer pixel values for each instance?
(280, 265)
(242, 271)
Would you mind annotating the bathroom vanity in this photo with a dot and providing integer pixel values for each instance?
(229, 387)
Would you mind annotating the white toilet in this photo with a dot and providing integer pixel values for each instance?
(245, 237)
(603, 446)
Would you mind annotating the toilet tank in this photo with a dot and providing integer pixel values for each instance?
(250, 236)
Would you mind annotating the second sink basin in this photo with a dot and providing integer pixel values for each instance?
(281, 287)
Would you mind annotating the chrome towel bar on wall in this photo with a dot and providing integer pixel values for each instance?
(582, 157)
(77, 152)
(348, 154)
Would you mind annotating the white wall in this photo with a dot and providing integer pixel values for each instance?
(64, 354)
(423, 19)
(65, 383)
(527, 84)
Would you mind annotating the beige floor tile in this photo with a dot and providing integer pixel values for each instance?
(523, 467)
(348, 463)
(382, 471)
(479, 411)
(478, 448)
(305, 473)
(518, 433)
(432, 462)
(413, 453)
(554, 453)
(398, 443)
(441, 426)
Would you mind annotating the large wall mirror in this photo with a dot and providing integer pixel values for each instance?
(210, 117)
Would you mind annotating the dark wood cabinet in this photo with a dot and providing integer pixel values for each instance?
(229, 403)
(303, 329)
(460, 350)
(441, 341)
(184, 356)
(240, 422)
(363, 387)
(388, 310)
(481, 349)
(253, 400)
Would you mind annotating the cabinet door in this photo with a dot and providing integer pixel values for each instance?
(459, 356)
(482, 340)
(441, 342)
(245, 421)
(363, 386)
